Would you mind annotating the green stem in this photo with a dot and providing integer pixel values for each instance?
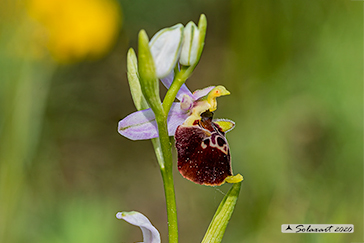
(167, 175)
(158, 151)
(167, 164)
(179, 80)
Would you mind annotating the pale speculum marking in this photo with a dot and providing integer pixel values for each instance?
(216, 141)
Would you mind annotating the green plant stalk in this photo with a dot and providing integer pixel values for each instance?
(167, 175)
(166, 148)
(158, 151)
(178, 81)
(163, 149)
(162, 144)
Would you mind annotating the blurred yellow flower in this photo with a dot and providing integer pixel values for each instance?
(77, 29)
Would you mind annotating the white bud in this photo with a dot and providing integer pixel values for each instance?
(165, 47)
(191, 45)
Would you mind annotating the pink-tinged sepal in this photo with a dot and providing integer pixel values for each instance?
(142, 125)
(197, 94)
(203, 152)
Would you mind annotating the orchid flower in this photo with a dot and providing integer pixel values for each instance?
(203, 150)
(142, 125)
(165, 50)
(167, 47)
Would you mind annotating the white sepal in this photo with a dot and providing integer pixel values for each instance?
(165, 47)
(150, 233)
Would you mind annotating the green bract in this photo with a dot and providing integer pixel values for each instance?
(148, 78)
(133, 78)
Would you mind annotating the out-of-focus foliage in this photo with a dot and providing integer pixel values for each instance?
(294, 69)
(30, 206)
(299, 137)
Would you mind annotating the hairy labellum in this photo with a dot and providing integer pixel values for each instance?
(203, 152)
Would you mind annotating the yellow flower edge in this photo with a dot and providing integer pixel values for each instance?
(234, 179)
(225, 125)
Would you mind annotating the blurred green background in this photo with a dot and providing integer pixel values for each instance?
(295, 72)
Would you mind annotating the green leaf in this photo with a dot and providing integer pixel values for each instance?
(133, 78)
(218, 224)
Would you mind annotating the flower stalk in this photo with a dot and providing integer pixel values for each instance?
(150, 89)
(179, 80)
(167, 175)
